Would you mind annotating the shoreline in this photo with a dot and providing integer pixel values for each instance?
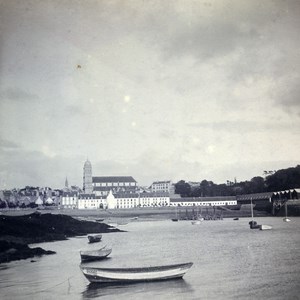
(18, 232)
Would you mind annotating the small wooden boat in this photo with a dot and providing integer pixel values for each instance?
(236, 219)
(94, 238)
(253, 224)
(122, 223)
(286, 219)
(175, 220)
(95, 254)
(265, 227)
(99, 220)
(127, 275)
(196, 222)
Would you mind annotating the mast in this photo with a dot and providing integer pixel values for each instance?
(285, 208)
(251, 209)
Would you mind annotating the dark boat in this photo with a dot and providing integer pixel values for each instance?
(99, 220)
(95, 254)
(94, 238)
(236, 219)
(253, 224)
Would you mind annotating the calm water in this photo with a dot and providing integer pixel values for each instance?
(230, 262)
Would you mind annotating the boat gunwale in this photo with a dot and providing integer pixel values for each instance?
(96, 253)
(141, 269)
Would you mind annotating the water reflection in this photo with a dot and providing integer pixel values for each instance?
(174, 287)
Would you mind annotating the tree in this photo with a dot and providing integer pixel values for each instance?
(257, 185)
(183, 188)
(284, 179)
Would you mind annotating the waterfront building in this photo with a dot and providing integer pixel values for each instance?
(69, 200)
(204, 201)
(132, 200)
(91, 201)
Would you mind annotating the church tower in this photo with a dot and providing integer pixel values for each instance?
(87, 178)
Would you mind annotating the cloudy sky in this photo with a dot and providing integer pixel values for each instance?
(157, 90)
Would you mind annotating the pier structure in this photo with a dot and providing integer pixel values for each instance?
(275, 200)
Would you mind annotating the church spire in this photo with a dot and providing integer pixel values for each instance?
(66, 182)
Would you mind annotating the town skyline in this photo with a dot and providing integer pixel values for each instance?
(158, 90)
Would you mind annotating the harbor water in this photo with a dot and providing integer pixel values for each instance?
(230, 260)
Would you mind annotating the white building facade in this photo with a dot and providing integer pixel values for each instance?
(91, 201)
(132, 200)
(162, 186)
(204, 201)
(69, 200)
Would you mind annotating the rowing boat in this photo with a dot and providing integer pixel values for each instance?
(127, 275)
(92, 255)
(94, 238)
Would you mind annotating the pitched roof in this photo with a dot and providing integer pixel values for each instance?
(141, 195)
(70, 194)
(99, 179)
(113, 188)
(257, 196)
(161, 182)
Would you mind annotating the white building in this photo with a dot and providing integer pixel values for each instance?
(69, 200)
(204, 201)
(162, 186)
(91, 201)
(132, 200)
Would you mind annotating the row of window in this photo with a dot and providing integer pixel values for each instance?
(205, 203)
(114, 183)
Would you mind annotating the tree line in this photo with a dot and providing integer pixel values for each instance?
(280, 180)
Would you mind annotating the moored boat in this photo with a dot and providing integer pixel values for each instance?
(127, 275)
(196, 222)
(92, 255)
(253, 224)
(286, 219)
(265, 227)
(94, 238)
(99, 220)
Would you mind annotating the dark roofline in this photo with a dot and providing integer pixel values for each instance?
(103, 179)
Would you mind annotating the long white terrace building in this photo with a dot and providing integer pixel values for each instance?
(204, 201)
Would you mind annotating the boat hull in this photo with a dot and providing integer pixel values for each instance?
(265, 227)
(102, 275)
(94, 238)
(197, 222)
(94, 255)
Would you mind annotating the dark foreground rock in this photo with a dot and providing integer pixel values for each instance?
(19, 231)
(10, 251)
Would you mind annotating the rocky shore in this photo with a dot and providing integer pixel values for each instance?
(16, 232)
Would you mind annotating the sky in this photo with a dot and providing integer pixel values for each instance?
(157, 90)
